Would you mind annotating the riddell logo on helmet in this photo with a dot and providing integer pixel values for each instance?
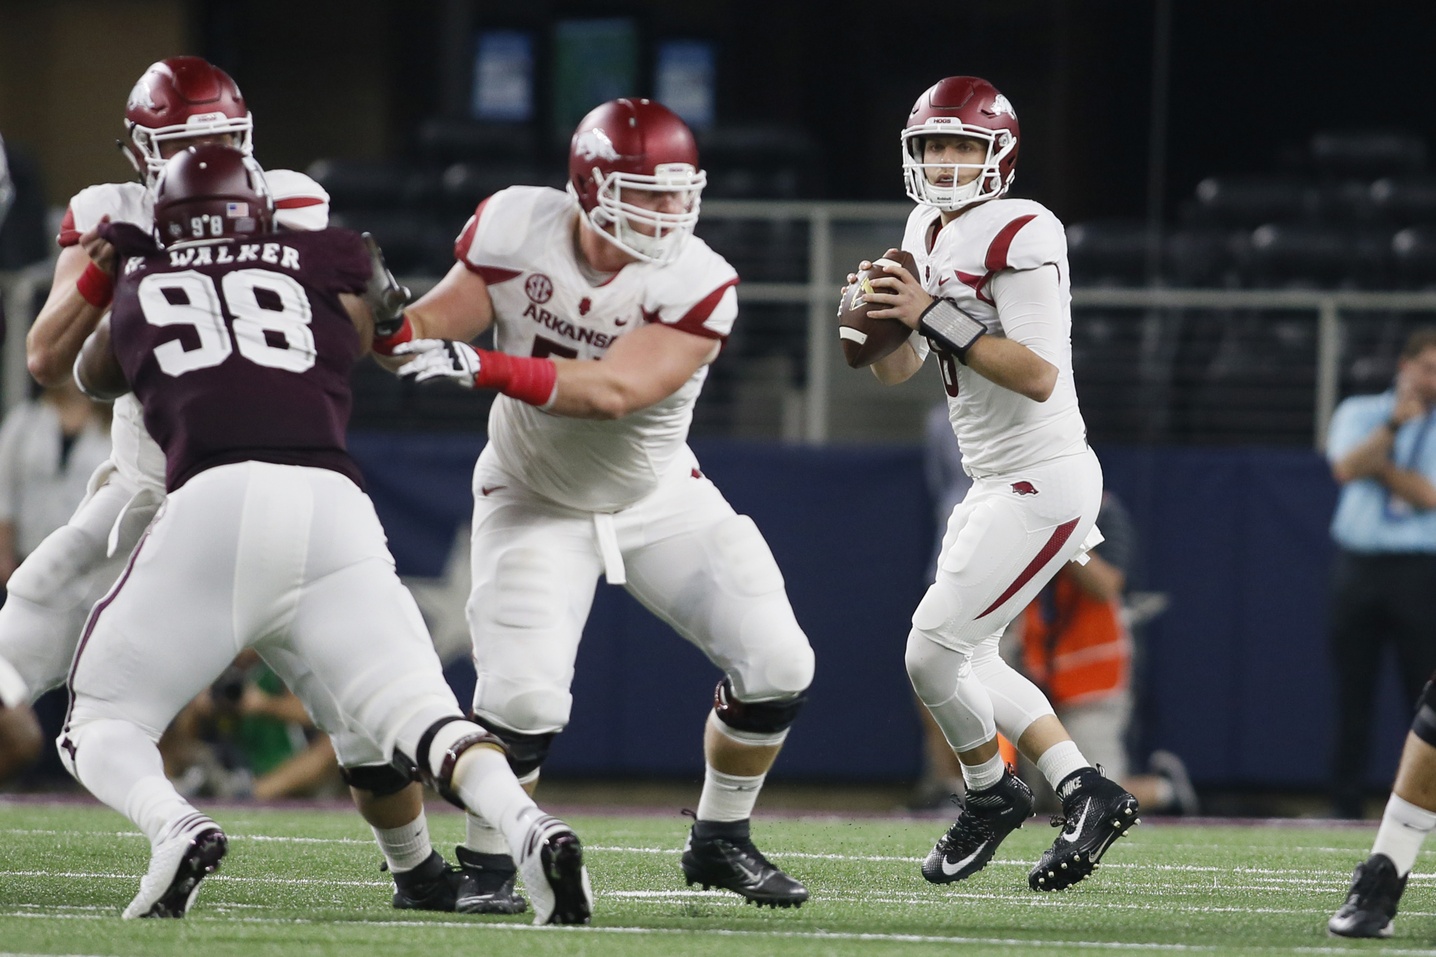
(1024, 488)
(595, 144)
(203, 119)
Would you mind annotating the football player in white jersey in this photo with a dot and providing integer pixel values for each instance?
(991, 304)
(607, 313)
(178, 102)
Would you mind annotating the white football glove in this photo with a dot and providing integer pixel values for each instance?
(439, 359)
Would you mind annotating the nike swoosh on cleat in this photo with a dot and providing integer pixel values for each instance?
(752, 875)
(951, 869)
(1077, 828)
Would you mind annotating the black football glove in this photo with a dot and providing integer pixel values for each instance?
(385, 295)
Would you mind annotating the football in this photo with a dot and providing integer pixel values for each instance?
(866, 340)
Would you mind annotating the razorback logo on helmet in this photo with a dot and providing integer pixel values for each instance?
(1024, 488)
(1001, 105)
(141, 97)
(539, 287)
(595, 144)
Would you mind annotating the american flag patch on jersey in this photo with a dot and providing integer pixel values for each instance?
(233, 210)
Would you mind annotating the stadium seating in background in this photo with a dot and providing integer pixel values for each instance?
(443, 141)
(1365, 154)
(1405, 200)
(759, 162)
(1202, 257)
(1112, 252)
(1414, 253)
(1249, 200)
(1315, 256)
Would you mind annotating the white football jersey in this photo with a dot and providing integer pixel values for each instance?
(299, 203)
(1000, 431)
(522, 241)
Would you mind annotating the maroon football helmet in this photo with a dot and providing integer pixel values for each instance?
(181, 98)
(961, 106)
(637, 145)
(211, 192)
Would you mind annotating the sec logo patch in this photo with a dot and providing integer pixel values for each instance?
(539, 287)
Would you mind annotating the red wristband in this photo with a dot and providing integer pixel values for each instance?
(96, 286)
(519, 377)
(384, 345)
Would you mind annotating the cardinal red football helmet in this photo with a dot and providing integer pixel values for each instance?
(211, 192)
(961, 106)
(181, 98)
(637, 145)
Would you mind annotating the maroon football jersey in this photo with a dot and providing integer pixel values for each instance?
(240, 350)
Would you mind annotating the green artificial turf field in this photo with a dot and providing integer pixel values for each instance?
(306, 881)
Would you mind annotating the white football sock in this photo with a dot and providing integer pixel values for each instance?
(483, 837)
(980, 776)
(405, 847)
(486, 784)
(728, 797)
(120, 765)
(1059, 761)
(1404, 827)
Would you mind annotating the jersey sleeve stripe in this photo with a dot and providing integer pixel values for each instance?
(997, 252)
(69, 235)
(693, 321)
(492, 274)
(299, 202)
(465, 242)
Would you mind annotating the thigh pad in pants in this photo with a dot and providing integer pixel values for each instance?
(720, 588)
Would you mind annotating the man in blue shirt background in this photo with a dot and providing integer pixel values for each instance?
(1383, 453)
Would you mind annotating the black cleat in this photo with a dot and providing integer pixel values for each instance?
(1095, 812)
(1371, 903)
(987, 817)
(191, 851)
(486, 884)
(433, 885)
(721, 854)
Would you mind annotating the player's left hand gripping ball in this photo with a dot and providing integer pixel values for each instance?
(440, 359)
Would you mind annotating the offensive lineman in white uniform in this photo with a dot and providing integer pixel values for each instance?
(608, 312)
(178, 102)
(992, 305)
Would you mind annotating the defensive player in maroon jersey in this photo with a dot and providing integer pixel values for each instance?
(238, 342)
(178, 102)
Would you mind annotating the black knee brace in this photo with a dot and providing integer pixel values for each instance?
(526, 752)
(1424, 724)
(380, 780)
(442, 779)
(762, 717)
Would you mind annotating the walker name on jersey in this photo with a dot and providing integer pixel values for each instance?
(567, 329)
(286, 257)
